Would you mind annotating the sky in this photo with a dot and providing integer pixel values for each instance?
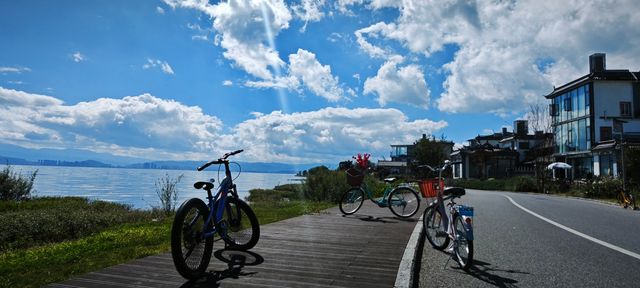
(303, 81)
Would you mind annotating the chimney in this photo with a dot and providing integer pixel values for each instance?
(521, 127)
(597, 62)
(504, 130)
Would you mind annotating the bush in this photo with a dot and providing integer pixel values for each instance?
(515, 184)
(325, 185)
(47, 220)
(14, 186)
(279, 193)
(168, 193)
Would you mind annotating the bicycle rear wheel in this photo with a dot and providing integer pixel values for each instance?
(436, 234)
(463, 247)
(403, 202)
(351, 200)
(190, 250)
(239, 226)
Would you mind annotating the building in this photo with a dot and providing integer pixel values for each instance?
(402, 155)
(592, 116)
(499, 155)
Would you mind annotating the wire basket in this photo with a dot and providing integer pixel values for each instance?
(354, 177)
(430, 187)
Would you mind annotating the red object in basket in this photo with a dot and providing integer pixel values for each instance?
(430, 187)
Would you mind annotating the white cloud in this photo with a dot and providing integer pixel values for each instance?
(18, 70)
(501, 45)
(78, 57)
(308, 11)
(327, 135)
(315, 76)
(133, 123)
(160, 10)
(155, 63)
(399, 84)
(227, 83)
(149, 127)
(247, 30)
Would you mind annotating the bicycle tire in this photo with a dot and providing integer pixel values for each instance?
(190, 251)
(463, 247)
(432, 222)
(242, 231)
(351, 201)
(403, 202)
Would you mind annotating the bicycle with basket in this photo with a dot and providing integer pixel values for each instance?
(402, 200)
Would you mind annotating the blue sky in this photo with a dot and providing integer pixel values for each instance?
(304, 81)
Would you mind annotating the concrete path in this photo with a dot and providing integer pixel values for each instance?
(321, 250)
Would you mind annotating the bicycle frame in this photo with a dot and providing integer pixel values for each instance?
(383, 202)
(219, 199)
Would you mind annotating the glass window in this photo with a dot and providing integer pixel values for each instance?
(625, 109)
(581, 107)
(574, 104)
(587, 98)
(605, 133)
(582, 135)
(588, 133)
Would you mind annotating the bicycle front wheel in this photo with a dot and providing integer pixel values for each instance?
(404, 202)
(463, 247)
(435, 232)
(190, 250)
(351, 201)
(239, 226)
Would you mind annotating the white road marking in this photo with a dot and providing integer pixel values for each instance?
(585, 236)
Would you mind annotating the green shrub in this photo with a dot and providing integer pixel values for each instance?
(323, 184)
(47, 220)
(279, 193)
(15, 186)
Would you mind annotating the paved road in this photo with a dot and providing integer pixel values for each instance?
(514, 248)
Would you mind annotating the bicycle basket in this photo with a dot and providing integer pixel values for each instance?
(430, 187)
(354, 177)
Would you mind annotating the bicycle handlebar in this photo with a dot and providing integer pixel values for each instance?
(220, 160)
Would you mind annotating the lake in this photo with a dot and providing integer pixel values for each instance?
(137, 187)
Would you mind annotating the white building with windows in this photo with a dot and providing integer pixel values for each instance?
(593, 116)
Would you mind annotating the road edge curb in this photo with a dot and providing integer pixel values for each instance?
(406, 273)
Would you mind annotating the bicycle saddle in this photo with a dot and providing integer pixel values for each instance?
(455, 191)
(206, 185)
(390, 180)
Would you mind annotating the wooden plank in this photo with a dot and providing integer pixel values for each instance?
(326, 249)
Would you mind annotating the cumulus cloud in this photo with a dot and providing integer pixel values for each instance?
(133, 123)
(150, 127)
(160, 10)
(329, 133)
(155, 63)
(227, 83)
(246, 29)
(399, 84)
(501, 45)
(315, 76)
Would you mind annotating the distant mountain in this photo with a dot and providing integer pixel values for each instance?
(17, 152)
(16, 155)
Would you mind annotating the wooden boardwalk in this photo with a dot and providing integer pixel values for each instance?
(320, 250)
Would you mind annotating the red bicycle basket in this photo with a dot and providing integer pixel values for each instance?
(354, 177)
(430, 187)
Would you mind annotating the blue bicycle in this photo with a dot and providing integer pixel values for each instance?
(196, 224)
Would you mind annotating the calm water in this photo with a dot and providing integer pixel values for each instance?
(136, 186)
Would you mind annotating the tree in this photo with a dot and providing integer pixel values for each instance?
(430, 151)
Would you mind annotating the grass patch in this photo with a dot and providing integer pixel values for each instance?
(38, 266)
(118, 243)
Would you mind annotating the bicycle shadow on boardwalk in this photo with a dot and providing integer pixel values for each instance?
(235, 259)
(384, 220)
